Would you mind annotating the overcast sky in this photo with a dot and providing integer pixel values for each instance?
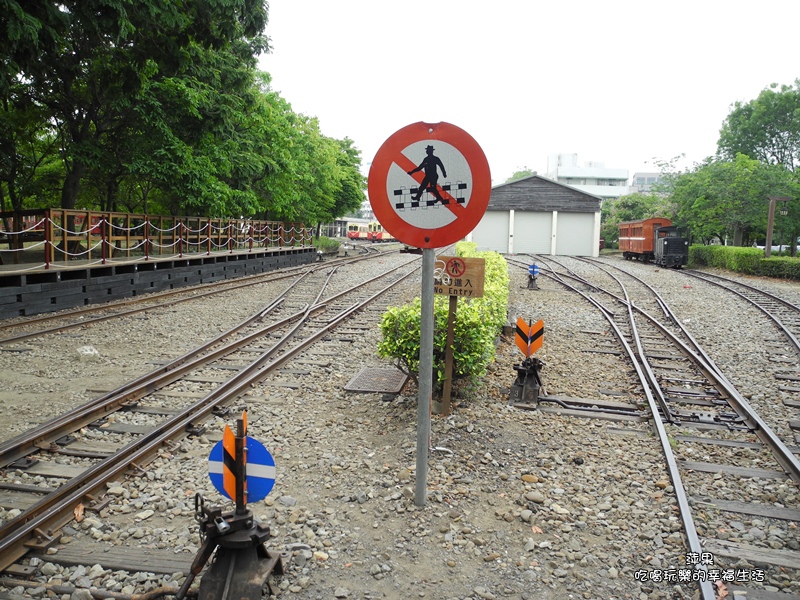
(618, 82)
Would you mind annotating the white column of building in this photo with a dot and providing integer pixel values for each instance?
(511, 232)
(596, 248)
(553, 234)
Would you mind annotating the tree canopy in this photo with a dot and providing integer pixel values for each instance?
(728, 199)
(520, 174)
(157, 106)
(766, 128)
(725, 198)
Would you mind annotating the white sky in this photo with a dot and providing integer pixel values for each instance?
(621, 82)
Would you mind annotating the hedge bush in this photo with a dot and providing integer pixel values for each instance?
(478, 323)
(326, 244)
(782, 267)
(749, 261)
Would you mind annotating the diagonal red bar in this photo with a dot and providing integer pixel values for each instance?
(405, 163)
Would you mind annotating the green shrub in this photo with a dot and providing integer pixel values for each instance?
(749, 261)
(478, 323)
(326, 244)
(782, 267)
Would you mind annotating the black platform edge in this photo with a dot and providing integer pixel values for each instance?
(25, 293)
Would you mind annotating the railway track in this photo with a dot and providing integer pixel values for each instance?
(783, 313)
(25, 328)
(705, 426)
(71, 458)
(595, 492)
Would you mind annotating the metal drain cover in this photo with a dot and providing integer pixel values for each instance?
(387, 381)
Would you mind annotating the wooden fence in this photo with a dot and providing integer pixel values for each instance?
(63, 235)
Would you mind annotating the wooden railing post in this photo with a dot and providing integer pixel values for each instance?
(48, 237)
(104, 250)
(146, 238)
(179, 231)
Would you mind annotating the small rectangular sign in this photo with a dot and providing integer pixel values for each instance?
(458, 276)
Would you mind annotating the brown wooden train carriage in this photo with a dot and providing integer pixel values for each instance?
(637, 238)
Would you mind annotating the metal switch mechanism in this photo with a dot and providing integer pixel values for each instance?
(242, 563)
(525, 390)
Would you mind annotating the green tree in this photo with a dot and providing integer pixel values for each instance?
(98, 57)
(351, 181)
(727, 199)
(27, 144)
(157, 106)
(629, 208)
(520, 174)
(766, 129)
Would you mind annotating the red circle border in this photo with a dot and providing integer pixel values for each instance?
(479, 196)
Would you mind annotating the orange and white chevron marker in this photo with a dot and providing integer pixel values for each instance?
(529, 337)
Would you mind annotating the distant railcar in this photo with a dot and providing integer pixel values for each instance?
(376, 233)
(357, 231)
(672, 250)
(655, 240)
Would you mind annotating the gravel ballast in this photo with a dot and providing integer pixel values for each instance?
(521, 504)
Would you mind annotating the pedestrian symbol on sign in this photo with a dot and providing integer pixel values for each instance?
(449, 188)
(455, 267)
(430, 164)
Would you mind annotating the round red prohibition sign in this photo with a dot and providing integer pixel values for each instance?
(429, 184)
(455, 267)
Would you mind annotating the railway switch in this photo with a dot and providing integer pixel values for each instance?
(533, 271)
(525, 390)
(236, 539)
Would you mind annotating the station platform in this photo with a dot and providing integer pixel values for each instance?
(29, 288)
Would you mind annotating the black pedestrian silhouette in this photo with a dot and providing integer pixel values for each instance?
(429, 164)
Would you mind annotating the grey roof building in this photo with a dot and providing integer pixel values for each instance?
(536, 215)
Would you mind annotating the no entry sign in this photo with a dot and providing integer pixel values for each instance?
(429, 184)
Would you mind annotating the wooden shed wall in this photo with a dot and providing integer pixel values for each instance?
(540, 194)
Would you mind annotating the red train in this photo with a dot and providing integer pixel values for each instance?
(376, 233)
(357, 231)
(655, 240)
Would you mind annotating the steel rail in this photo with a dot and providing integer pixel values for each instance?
(46, 433)
(24, 443)
(229, 285)
(124, 313)
(55, 509)
(706, 588)
(785, 457)
(792, 338)
(652, 380)
(668, 312)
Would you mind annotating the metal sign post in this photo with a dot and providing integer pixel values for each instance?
(425, 377)
(429, 186)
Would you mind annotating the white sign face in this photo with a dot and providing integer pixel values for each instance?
(446, 180)
(429, 184)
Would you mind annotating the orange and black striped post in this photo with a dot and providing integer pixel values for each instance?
(234, 463)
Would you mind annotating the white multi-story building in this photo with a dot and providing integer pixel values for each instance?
(642, 182)
(593, 177)
(366, 211)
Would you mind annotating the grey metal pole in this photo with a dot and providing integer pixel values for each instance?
(425, 377)
(770, 225)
